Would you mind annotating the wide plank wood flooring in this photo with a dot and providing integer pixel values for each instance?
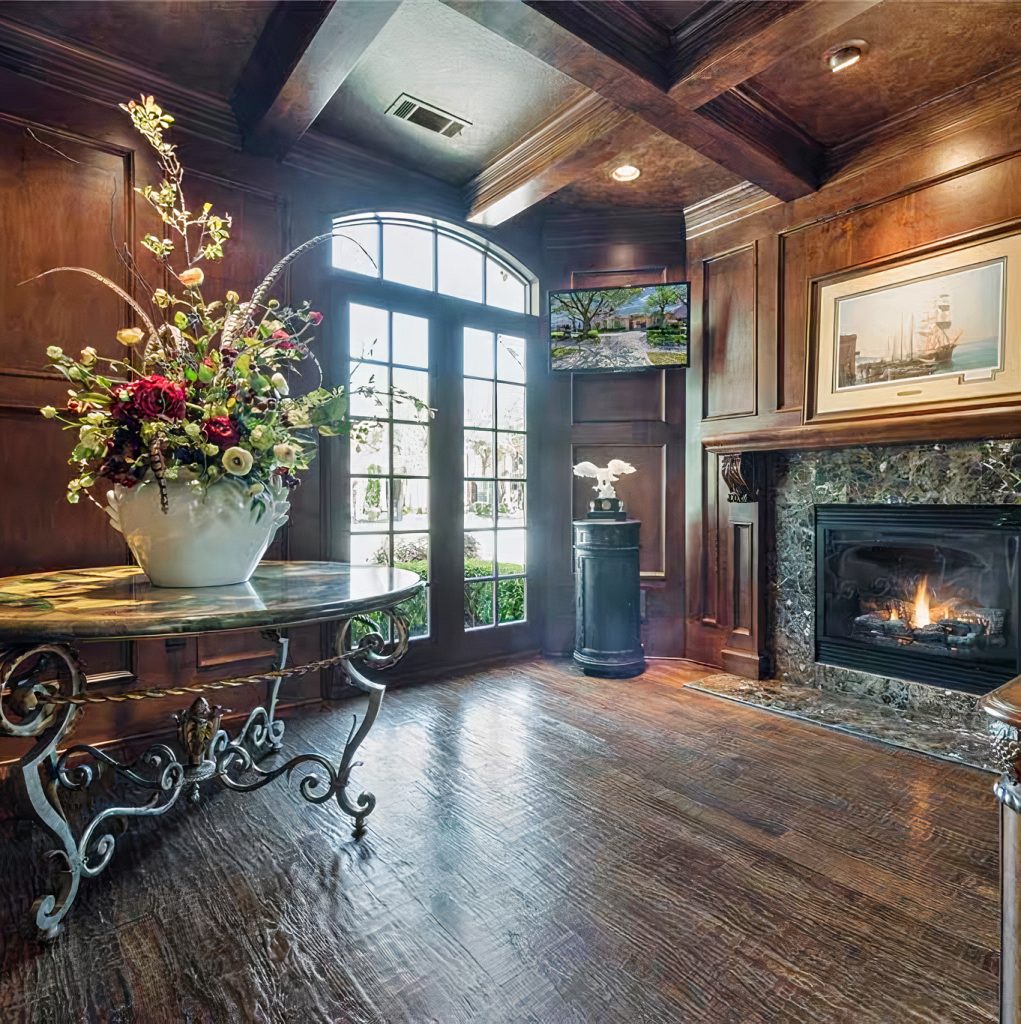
(547, 849)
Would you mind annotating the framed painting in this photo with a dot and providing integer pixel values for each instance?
(935, 332)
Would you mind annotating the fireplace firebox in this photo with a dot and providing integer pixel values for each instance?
(929, 593)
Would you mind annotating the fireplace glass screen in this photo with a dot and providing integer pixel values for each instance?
(928, 593)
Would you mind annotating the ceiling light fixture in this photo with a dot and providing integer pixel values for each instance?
(626, 172)
(837, 58)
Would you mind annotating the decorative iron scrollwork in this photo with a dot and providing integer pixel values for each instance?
(42, 695)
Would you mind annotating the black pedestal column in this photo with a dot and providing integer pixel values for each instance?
(607, 598)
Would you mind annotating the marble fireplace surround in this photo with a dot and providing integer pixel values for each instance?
(916, 715)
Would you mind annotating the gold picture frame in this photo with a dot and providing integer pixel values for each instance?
(935, 332)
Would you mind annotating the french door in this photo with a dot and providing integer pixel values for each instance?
(446, 496)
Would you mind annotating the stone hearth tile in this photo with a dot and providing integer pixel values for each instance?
(920, 729)
(965, 473)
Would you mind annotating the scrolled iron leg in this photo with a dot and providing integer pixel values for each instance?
(38, 769)
(361, 807)
(24, 673)
(236, 766)
(263, 733)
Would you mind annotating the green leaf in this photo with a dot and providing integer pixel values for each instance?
(333, 410)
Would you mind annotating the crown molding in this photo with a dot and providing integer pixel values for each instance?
(719, 23)
(97, 78)
(726, 207)
(752, 115)
(579, 137)
(573, 125)
(93, 76)
(966, 108)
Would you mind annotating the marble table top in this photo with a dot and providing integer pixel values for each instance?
(119, 602)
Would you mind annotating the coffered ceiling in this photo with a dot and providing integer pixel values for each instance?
(433, 54)
(700, 94)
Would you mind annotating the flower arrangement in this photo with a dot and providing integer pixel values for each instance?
(202, 393)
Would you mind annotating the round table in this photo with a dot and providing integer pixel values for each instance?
(43, 691)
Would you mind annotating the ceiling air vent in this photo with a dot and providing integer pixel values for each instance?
(425, 115)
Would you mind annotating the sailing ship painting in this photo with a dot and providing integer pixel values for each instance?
(942, 324)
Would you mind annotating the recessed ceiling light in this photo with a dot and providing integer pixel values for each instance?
(626, 172)
(837, 58)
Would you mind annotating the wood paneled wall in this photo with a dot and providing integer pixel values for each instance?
(635, 416)
(751, 262)
(68, 166)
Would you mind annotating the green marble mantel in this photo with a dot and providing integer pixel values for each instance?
(119, 602)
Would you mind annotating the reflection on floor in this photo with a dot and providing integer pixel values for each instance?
(547, 848)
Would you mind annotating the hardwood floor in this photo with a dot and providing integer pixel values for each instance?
(547, 848)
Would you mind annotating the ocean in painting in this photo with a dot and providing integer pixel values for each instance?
(976, 355)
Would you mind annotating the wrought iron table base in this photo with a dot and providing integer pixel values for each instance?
(29, 707)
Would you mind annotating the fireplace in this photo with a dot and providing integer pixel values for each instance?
(929, 593)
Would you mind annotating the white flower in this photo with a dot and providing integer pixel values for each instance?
(237, 461)
(298, 417)
(261, 436)
(91, 438)
(48, 411)
(129, 336)
(279, 381)
(285, 454)
(54, 352)
(88, 356)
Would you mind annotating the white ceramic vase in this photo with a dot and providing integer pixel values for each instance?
(210, 538)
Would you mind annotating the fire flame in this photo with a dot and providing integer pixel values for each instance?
(921, 610)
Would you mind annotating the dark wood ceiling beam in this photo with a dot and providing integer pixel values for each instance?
(618, 29)
(733, 42)
(303, 56)
(580, 136)
(788, 174)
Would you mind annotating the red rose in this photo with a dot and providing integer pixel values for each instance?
(155, 397)
(221, 431)
(315, 318)
(286, 346)
(280, 335)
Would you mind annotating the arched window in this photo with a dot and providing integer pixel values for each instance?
(430, 254)
(441, 313)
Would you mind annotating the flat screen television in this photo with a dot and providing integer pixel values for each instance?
(607, 330)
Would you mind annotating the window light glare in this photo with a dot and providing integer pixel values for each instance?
(626, 172)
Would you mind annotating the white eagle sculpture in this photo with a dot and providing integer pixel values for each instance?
(606, 477)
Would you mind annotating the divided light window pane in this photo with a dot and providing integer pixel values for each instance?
(369, 334)
(495, 587)
(357, 250)
(503, 288)
(460, 269)
(414, 252)
(411, 340)
(408, 255)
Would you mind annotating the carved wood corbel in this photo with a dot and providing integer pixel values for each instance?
(742, 473)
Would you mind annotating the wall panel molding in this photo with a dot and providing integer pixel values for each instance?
(730, 334)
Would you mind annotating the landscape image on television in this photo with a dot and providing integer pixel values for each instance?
(619, 328)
